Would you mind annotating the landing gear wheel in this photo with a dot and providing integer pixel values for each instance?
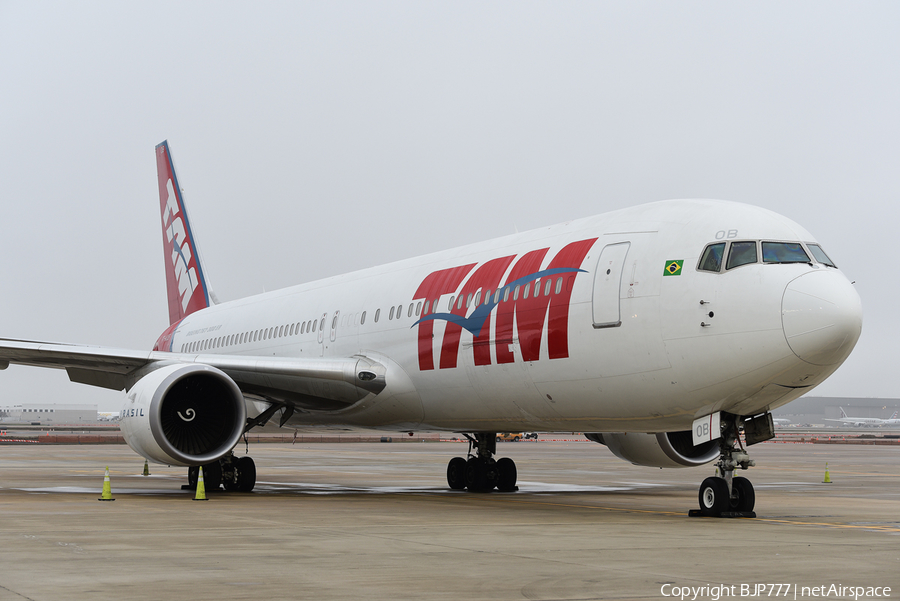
(193, 475)
(212, 476)
(713, 496)
(246, 474)
(742, 496)
(481, 474)
(508, 474)
(456, 473)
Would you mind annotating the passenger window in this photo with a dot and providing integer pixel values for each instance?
(418, 308)
(478, 298)
(558, 285)
(459, 302)
(820, 255)
(547, 287)
(741, 253)
(280, 331)
(516, 294)
(469, 300)
(506, 294)
(497, 297)
(362, 318)
(784, 252)
(391, 316)
(410, 312)
(377, 314)
(334, 322)
(322, 323)
(525, 292)
(712, 257)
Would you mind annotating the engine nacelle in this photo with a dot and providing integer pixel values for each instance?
(184, 415)
(665, 449)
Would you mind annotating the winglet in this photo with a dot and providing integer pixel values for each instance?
(186, 285)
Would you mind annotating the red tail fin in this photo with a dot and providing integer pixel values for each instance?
(185, 283)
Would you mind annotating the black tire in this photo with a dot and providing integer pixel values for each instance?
(474, 475)
(193, 474)
(491, 477)
(212, 476)
(713, 496)
(498, 439)
(742, 496)
(508, 475)
(515, 439)
(245, 477)
(456, 473)
(481, 475)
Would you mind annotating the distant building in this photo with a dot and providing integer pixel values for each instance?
(48, 414)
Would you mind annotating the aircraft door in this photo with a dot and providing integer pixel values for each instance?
(334, 324)
(321, 333)
(608, 284)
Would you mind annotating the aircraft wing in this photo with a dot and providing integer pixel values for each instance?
(315, 383)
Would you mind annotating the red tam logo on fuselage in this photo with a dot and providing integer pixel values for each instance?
(528, 298)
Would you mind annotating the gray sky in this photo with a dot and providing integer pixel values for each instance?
(317, 138)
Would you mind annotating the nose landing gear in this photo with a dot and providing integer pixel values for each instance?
(479, 472)
(727, 495)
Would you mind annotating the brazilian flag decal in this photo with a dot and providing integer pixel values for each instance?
(673, 267)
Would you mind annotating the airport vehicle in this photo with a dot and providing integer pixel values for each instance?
(663, 331)
(510, 436)
(869, 422)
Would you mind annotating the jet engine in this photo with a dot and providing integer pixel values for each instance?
(665, 449)
(184, 415)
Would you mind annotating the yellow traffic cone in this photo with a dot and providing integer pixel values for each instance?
(201, 488)
(146, 468)
(106, 495)
(827, 479)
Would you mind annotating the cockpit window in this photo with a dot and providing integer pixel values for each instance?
(741, 253)
(712, 257)
(784, 252)
(820, 255)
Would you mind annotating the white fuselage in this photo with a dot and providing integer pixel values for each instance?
(610, 343)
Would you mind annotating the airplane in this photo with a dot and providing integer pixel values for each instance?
(781, 421)
(663, 331)
(858, 422)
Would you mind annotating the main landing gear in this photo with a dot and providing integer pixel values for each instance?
(236, 474)
(479, 472)
(727, 495)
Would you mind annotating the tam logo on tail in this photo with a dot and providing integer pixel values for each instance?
(185, 286)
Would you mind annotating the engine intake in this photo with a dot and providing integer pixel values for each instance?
(184, 415)
(664, 449)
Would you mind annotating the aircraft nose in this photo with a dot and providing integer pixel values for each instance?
(822, 317)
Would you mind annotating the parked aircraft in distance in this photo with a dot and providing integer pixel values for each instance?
(662, 331)
(859, 422)
(781, 421)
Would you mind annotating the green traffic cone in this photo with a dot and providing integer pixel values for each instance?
(106, 495)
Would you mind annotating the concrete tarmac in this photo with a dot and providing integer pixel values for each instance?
(376, 521)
